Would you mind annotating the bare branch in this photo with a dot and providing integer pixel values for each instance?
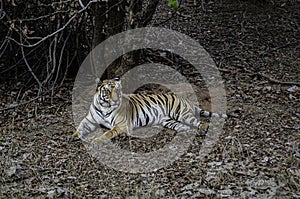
(149, 12)
(2, 13)
(27, 64)
(58, 30)
(81, 4)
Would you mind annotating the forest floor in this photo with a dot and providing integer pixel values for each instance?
(256, 48)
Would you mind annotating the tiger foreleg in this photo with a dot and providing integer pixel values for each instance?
(86, 126)
(107, 136)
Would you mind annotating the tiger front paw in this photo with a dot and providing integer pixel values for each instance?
(100, 140)
(76, 134)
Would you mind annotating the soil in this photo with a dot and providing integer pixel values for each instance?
(255, 44)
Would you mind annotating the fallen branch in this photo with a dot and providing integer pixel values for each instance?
(20, 104)
(277, 81)
(270, 79)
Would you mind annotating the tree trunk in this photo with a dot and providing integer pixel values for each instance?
(115, 16)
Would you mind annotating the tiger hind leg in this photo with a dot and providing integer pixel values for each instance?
(203, 128)
(175, 125)
(191, 120)
(179, 126)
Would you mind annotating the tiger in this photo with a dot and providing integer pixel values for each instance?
(122, 113)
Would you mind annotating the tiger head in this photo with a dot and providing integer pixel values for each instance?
(109, 92)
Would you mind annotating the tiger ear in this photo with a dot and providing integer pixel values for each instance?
(117, 79)
(97, 80)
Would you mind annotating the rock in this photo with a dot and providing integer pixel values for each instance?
(160, 192)
(293, 89)
(51, 194)
(225, 193)
(11, 170)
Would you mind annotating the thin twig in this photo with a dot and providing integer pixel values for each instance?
(40, 17)
(4, 45)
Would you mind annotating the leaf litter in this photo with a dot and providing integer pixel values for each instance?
(256, 157)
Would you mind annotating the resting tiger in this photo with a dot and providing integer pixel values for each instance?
(121, 113)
